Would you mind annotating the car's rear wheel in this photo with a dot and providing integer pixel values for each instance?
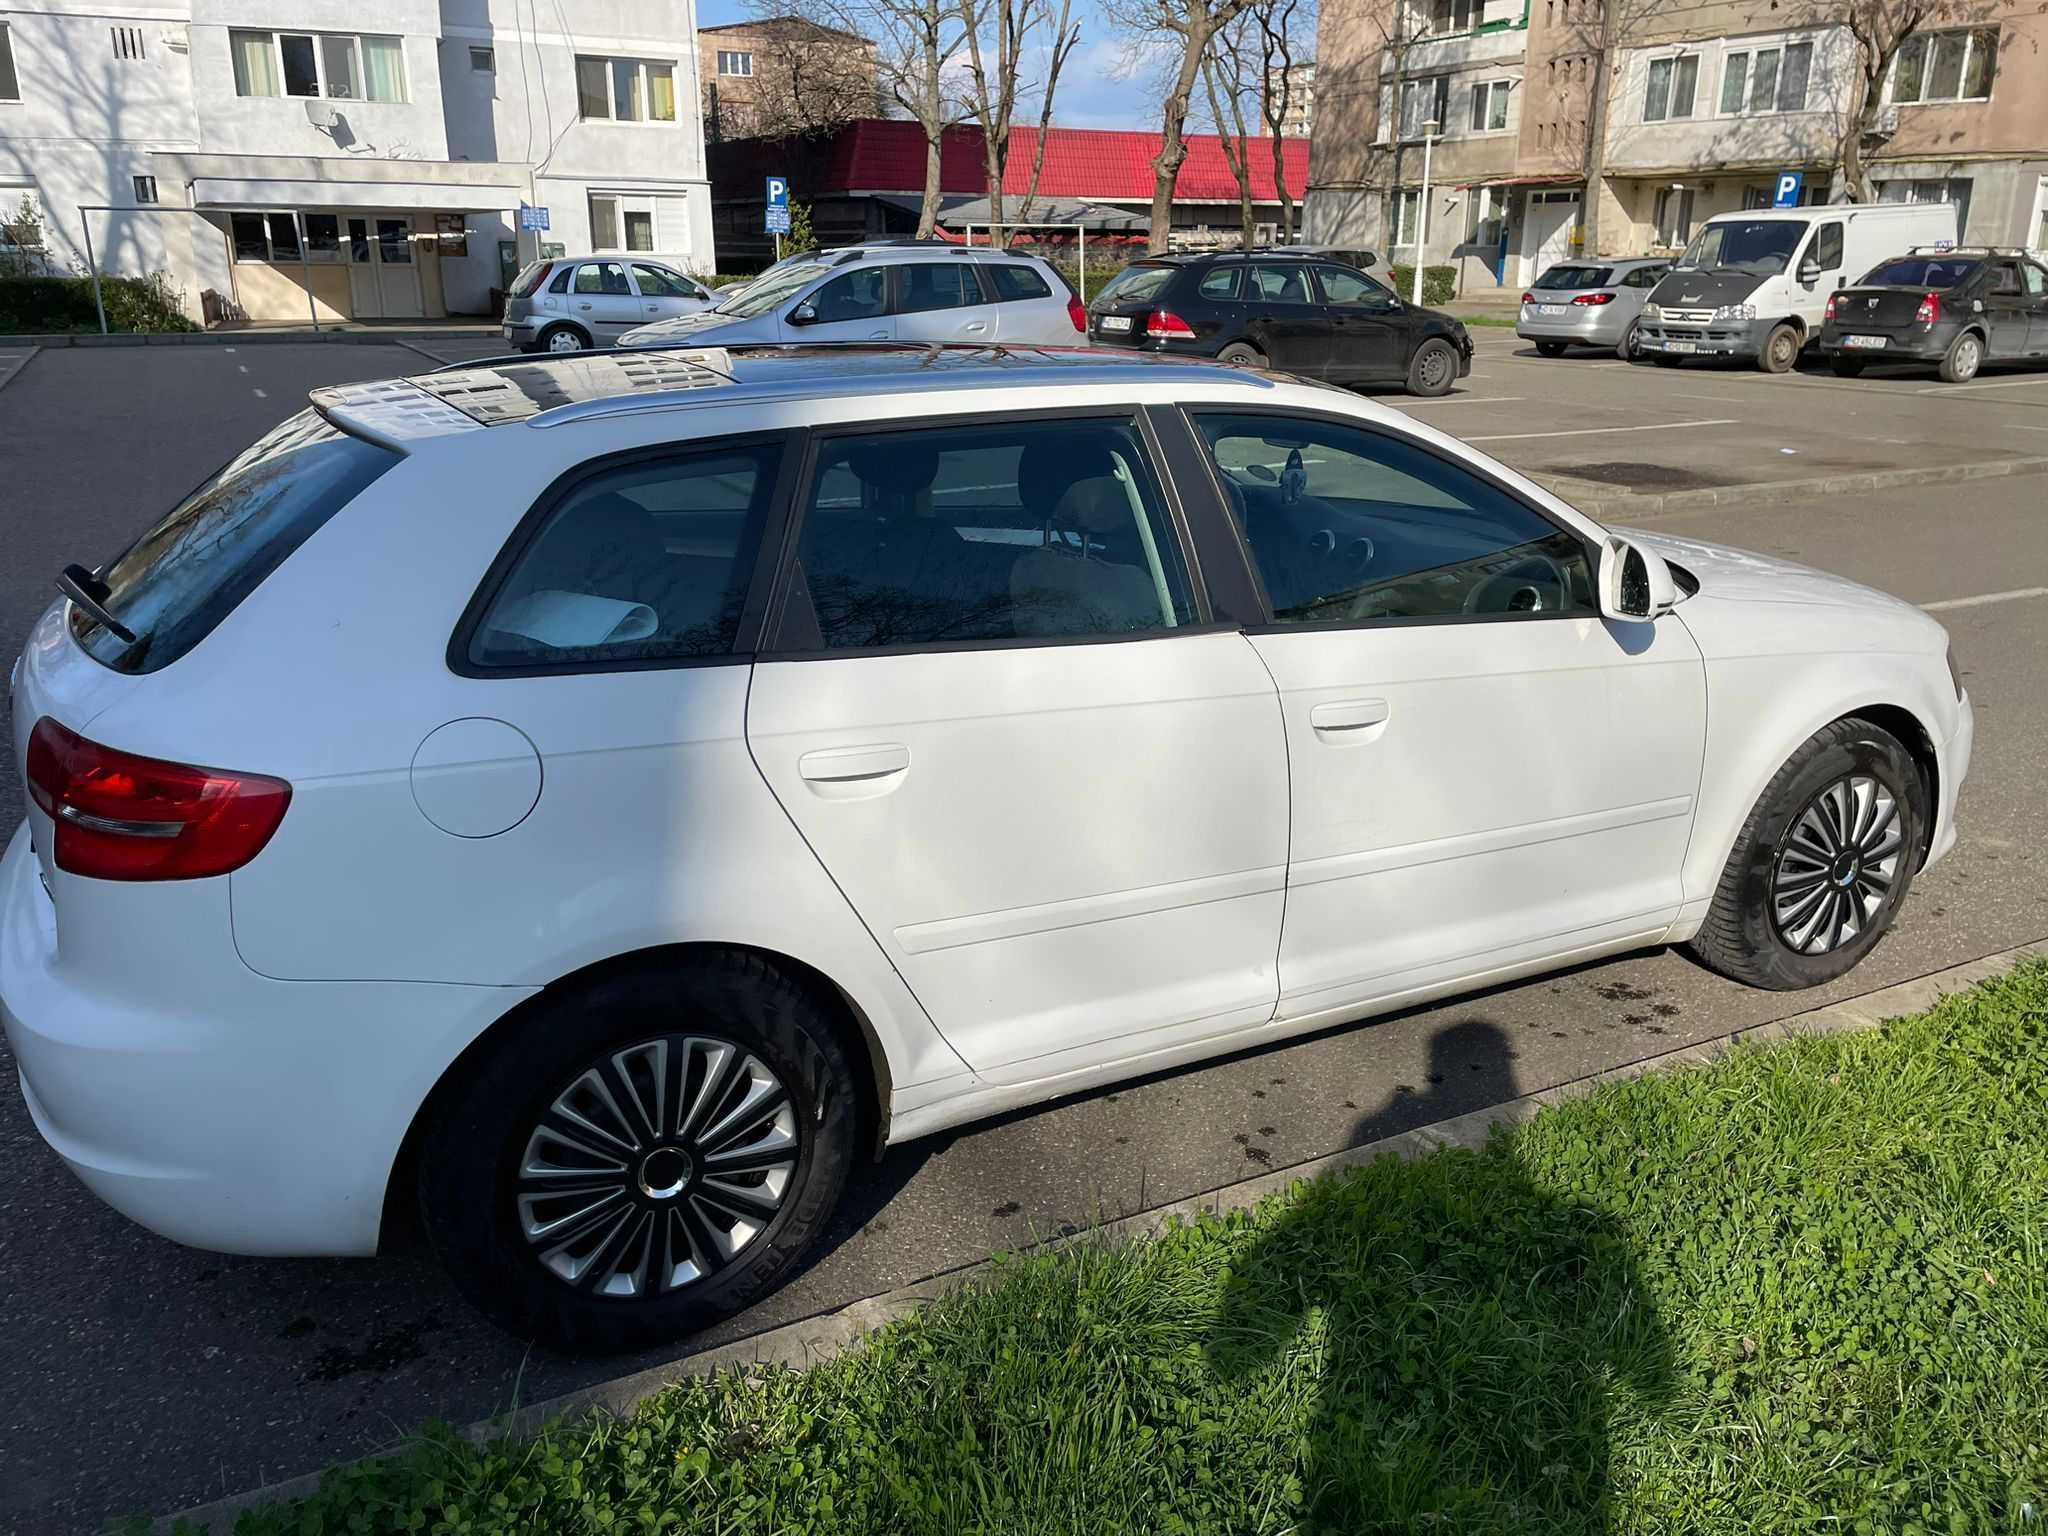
(1780, 349)
(1550, 348)
(1965, 356)
(650, 1150)
(1243, 354)
(1630, 347)
(1847, 367)
(1434, 368)
(1823, 863)
(562, 338)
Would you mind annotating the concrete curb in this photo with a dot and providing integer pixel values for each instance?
(11, 367)
(1604, 502)
(814, 1340)
(306, 338)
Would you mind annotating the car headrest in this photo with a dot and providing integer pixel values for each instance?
(1097, 505)
(1049, 467)
(899, 472)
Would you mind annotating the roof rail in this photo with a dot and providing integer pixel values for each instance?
(1967, 250)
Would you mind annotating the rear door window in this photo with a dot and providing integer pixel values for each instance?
(1018, 282)
(179, 580)
(936, 285)
(1279, 283)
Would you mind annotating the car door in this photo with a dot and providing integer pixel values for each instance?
(1055, 796)
(663, 294)
(2008, 311)
(603, 299)
(1484, 774)
(941, 301)
(851, 306)
(1284, 318)
(1368, 327)
(2034, 278)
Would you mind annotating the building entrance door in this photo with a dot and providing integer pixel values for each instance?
(383, 268)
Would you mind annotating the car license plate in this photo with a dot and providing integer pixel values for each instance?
(1116, 322)
(1864, 341)
(1550, 309)
(1681, 346)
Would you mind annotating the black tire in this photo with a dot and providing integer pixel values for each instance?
(1628, 348)
(1964, 358)
(1780, 351)
(1243, 354)
(1847, 367)
(1551, 348)
(1433, 369)
(561, 338)
(1741, 937)
(484, 1131)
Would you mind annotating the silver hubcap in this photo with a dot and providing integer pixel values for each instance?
(565, 341)
(1837, 866)
(657, 1166)
(1966, 357)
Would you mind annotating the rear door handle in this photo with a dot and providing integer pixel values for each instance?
(843, 765)
(878, 335)
(975, 326)
(1346, 716)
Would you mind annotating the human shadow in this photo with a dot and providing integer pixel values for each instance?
(1468, 1337)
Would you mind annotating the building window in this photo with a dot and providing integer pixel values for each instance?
(483, 61)
(10, 85)
(1674, 216)
(341, 65)
(1953, 189)
(625, 90)
(145, 189)
(1944, 66)
(127, 42)
(1404, 212)
(1486, 211)
(1766, 80)
(1425, 101)
(737, 64)
(1673, 85)
(275, 236)
(1490, 105)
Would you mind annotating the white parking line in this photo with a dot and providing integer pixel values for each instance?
(1655, 426)
(261, 394)
(1984, 598)
(1944, 389)
(1466, 400)
(244, 367)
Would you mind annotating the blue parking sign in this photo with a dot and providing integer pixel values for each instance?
(1789, 183)
(778, 205)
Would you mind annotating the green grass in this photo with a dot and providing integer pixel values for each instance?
(1506, 321)
(1803, 1289)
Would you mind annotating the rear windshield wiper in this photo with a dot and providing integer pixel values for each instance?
(91, 594)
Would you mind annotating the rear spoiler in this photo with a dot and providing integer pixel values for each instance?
(391, 413)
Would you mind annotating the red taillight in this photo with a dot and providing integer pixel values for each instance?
(123, 817)
(1834, 299)
(1594, 298)
(1077, 313)
(1164, 322)
(1528, 298)
(1929, 311)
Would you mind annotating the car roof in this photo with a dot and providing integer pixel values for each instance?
(547, 390)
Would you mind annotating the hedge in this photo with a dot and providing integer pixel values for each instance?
(1439, 284)
(46, 305)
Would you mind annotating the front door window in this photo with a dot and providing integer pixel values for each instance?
(394, 242)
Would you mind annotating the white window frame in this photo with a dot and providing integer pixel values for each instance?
(742, 60)
(1682, 223)
(1405, 204)
(319, 39)
(13, 68)
(1440, 108)
(609, 60)
(1426, 19)
(1500, 95)
(1748, 53)
(1928, 42)
(1670, 113)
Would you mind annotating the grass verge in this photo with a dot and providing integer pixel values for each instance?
(1504, 322)
(1804, 1288)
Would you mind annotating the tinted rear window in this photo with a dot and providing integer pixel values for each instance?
(1922, 272)
(530, 278)
(1018, 283)
(189, 572)
(1134, 285)
(1575, 277)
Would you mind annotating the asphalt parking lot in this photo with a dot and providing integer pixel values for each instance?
(138, 1377)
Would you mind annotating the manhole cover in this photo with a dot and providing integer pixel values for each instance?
(1660, 477)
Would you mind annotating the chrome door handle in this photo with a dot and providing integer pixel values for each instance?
(840, 765)
(583, 306)
(1348, 715)
(878, 335)
(975, 325)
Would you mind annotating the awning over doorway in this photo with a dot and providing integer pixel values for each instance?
(255, 193)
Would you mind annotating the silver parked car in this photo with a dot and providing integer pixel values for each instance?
(889, 293)
(1589, 304)
(570, 303)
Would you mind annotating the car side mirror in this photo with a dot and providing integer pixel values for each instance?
(1809, 272)
(805, 313)
(1635, 584)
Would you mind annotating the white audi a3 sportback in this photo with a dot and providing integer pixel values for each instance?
(605, 798)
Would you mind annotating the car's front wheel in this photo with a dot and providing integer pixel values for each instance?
(1780, 349)
(1823, 863)
(1434, 368)
(649, 1150)
(1630, 347)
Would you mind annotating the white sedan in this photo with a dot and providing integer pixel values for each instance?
(605, 799)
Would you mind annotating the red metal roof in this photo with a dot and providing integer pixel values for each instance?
(887, 155)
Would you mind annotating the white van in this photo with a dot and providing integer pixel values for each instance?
(1755, 285)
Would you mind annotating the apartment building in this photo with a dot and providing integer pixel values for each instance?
(287, 159)
(1292, 91)
(1710, 104)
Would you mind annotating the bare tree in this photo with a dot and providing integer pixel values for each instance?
(996, 31)
(809, 78)
(1063, 37)
(1284, 28)
(1191, 25)
(1229, 75)
(914, 42)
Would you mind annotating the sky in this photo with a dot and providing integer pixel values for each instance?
(1102, 86)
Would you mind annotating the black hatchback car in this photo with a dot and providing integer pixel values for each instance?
(1957, 309)
(1295, 312)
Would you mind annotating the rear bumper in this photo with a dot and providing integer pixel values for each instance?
(1593, 325)
(1914, 346)
(207, 1103)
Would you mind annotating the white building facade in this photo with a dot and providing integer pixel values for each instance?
(287, 160)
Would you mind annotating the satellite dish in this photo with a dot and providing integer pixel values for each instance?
(322, 114)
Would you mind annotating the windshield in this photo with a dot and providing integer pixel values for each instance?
(1575, 277)
(1920, 272)
(1133, 285)
(1762, 246)
(771, 288)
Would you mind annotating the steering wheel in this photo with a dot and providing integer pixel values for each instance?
(1519, 589)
